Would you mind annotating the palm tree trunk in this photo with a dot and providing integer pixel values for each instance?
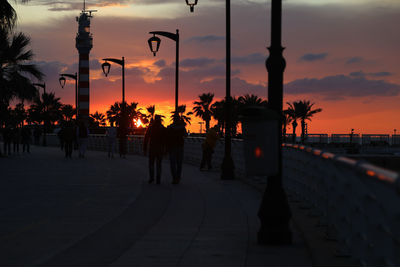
(294, 125)
(303, 127)
(284, 133)
(207, 125)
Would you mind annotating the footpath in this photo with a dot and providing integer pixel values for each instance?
(98, 212)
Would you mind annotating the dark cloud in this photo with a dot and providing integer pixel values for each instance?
(78, 5)
(256, 58)
(197, 62)
(339, 86)
(371, 74)
(160, 63)
(313, 57)
(354, 60)
(206, 38)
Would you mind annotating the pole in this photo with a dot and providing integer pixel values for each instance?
(123, 81)
(177, 71)
(274, 212)
(76, 95)
(227, 164)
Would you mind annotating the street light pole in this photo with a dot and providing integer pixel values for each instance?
(227, 163)
(106, 69)
(62, 83)
(274, 212)
(42, 85)
(155, 41)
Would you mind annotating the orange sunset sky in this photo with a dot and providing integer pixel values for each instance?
(341, 54)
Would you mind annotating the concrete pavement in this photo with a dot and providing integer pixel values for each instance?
(101, 212)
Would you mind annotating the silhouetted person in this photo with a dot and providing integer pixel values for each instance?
(82, 134)
(69, 138)
(176, 133)
(111, 140)
(26, 138)
(60, 135)
(16, 138)
(208, 147)
(155, 138)
(7, 138)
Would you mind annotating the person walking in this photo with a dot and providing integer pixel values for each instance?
(82, 134)
(26, 138)
(69, 138)
(111, 140)
(208, 147)
(122, 136)
(154, 139)
(176, 132)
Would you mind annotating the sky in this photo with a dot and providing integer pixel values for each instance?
(342, 55)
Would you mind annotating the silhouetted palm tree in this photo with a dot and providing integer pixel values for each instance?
(114, 113)
(14, 64)
(252, 100)
(301, 110)
(8, 15)
(294, 116)
(218, 113)
(67, 112)
(286, 120)
(99, 119)
(181, 113)
(202, 108)
(18, 115)
(305, 112)
(151, 110)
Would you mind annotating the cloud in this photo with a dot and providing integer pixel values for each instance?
(160, 63)
(256, 58)
(340, 86)
(197, 62)
(354, 60)
(371, 74)
(313, 57)
(206, 38)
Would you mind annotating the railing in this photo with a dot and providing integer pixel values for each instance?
(357, 203)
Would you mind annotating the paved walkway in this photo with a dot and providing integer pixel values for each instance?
(101, 212)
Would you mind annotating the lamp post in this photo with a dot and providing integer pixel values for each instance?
(191, 3)
(106, 70)
(123, 123)
(227, 163)
(42, 85)
(274, 212)
(62, 83)
(154, 44)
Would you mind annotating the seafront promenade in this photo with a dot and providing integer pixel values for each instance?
(98, 211)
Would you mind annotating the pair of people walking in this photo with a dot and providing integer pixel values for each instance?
(159, 140)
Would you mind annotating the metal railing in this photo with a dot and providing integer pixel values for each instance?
(357, 203)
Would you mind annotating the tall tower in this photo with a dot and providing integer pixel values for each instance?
(84, 43)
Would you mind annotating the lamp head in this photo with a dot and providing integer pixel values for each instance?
(154, 44)
(106, 68)
(62, 81)
(191, 3)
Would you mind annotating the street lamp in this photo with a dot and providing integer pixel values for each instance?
(191, 3)
(106, 70)
(62, 81)
(274, 212)
(154, 44)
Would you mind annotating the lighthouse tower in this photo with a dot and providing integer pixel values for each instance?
(84, 43)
